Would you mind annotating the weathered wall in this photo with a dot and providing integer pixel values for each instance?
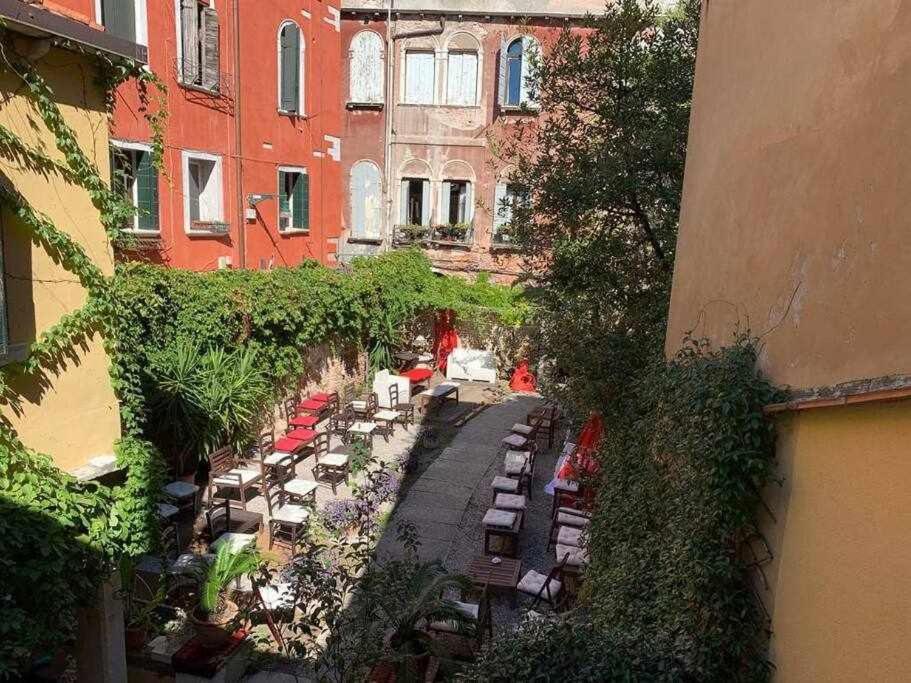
(796, 194)
(75, 417)
(839, 583)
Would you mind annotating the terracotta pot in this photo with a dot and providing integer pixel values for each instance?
(135, 637)
(214, 632)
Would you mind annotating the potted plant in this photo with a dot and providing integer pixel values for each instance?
(454, 232)
(139, 604)
(413, 232)
(215, 616)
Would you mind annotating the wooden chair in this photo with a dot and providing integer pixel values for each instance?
(224, 472)
(287, 520)
(520, 465)
(467, 644)
(510, 485)
(341, 422)
(568, 517)
(548, 417)
(364, 409)
(546, 587)
(333, 465)
(405, 410)
(295, 420)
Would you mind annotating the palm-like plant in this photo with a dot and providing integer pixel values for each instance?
(229, 564)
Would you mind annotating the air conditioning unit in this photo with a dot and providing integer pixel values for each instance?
(284, 221)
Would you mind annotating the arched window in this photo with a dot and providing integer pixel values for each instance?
(290, 69)
(365, 69)
(366, 200)
(516, 88)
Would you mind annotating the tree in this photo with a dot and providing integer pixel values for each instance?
(602, 174)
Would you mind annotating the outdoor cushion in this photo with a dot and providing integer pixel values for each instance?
(334, 460)
(237, 477)
(288, 445)
(359, 405)
(304, 421)
(533, 581)
(310, 404)
(180, 489)
(321, 396)
(387, 415)
(508, 501)
(566, 485)
(499, 518)
(469, 610)
(278, 458)
(293, 514)
(515, 441)
(575, 557)
(505, 484)
(305, 435)
(515, 462)
(524, 430)
(418, 375)
(569, 519)
(166, 510)
(569, 535)
(300, 487)
(233, 541)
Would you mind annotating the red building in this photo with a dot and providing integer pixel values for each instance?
(252, 161)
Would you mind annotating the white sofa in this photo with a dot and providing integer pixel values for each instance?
(472, 364)
(385, 379)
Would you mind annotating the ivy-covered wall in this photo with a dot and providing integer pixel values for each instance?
(69, 411)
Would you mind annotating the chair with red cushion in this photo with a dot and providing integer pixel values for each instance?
(418, 377)
(297, 420)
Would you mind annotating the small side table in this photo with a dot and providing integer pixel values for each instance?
(502, 526)
(362, 431)
(501, 577)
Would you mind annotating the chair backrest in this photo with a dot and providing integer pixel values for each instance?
(372, 403)
(218, 514)
(545, 593)
(393, 395)
(321, 445)
(265, 444)
(221, 460)
(290, 405)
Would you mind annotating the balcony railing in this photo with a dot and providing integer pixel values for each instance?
(433, 236)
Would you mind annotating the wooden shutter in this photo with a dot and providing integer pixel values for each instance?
(284, 198)
(445, 200)
(210, 54)
(503, 76)
(193, 174)
(502, 212)
(189, 40)
(290, 68)
(403, 212)
(462, 78)
(119, 18)
(366, 70)
(146, 191)
(425, 202)
(420, 70)
(301, 201)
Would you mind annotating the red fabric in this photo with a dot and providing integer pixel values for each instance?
(303, 435)
(445, 338)
(304, 421)
(582, 460)
(323, 397)
(311, 404)
(418, 375)
(522, 379)
(288, 445)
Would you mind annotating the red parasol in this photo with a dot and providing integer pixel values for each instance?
(445, 338)
(583, 458)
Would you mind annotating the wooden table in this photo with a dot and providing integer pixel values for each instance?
(500, 577)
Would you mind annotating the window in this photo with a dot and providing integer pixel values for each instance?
(366, 200)
(515, 86)
(365, 69)
(203, 193)
(506, 200)
(293, 199)
(456, 204)
(290, 68)
(134, 175)
(123, 18)
(415, 201)
(198, 45)
(462, 78)
(420, 77)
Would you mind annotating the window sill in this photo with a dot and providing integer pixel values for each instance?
(290, 232)
(292, 114)
(504, 248)
(365, 240)
(519, 110)
(218, 234)
(200, 89)
(376, 106)
(446, 244)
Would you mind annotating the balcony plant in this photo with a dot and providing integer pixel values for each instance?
(216, 615)
(413, 232)
(454, 232)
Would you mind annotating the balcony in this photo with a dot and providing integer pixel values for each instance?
(458, 235)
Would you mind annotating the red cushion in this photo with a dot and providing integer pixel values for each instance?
(310, 404)
(418, 374)
(321, 396)
(288, 445)
(304, 421)
(303, 435)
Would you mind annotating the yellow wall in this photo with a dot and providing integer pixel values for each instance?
(840, 598)
(76, 418)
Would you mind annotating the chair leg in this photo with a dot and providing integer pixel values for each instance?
(243, 497)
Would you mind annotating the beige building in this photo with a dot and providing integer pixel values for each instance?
(795, 226)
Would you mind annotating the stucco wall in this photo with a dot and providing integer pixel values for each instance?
(75, 417)
(795, 205)
(839, 584)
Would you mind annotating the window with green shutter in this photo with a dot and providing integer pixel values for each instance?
(134, 175)
(119, 18)
(289, 68)
(293, 200)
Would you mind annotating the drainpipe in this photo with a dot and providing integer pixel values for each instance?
(241, 204)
